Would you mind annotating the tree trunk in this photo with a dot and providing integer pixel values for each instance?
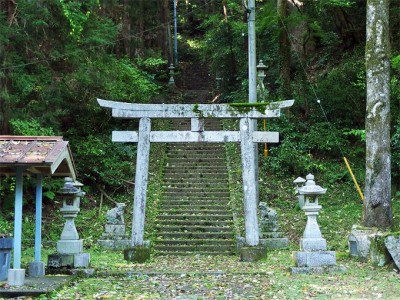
(377, 208)
(284, 49)
(9, 10)
(126, 28)
(165, 31)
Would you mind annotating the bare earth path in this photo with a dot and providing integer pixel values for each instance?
(225, 277)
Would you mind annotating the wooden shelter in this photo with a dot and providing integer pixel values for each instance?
(35, 156)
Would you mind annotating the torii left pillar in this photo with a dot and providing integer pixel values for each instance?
(140, 251)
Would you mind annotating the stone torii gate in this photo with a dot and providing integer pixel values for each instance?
(247, 137)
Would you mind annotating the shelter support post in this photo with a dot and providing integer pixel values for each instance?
(38, 219)
(18, 218)
(249, 179)
(37, 267)
(16, 276)
(141, 180)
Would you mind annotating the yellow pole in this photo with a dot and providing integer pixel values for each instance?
(265, 144)
(354, 179)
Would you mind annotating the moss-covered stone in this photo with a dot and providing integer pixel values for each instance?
(253, 253)
(245, 107)
(138, 254)
(379, 255)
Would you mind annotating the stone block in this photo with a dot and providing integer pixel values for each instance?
(70, 246)
(122, 244)
(16, 277)
(359, 241)
(81, 260)
(317, 270)
(312, 244)
(270, 234)
(5, 258)
(378, 254)
(315, 258)
(138, 254)
(392, 244)
(252, 253)
(106, 244)
(113, 229)
(36, 269)
(275, 243)
(59, 260)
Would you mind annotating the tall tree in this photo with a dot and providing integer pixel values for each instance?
(7, 16)
(377, 207)
(284, 49)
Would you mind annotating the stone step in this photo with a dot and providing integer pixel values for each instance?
(194, 203)
(195, 235)
(195, 248)
(175, 173)
(196, 166)
(195, 242)
(195, 199)
(196, 160)
(194, 190)
(189, 253)
(199, 194)
(168, 207)
(222, 217)
(180, 211)
(199, 147)
(181, 154)
(195, 181)
(192, 228)
(194, 222)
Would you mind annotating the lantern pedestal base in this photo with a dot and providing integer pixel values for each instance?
(70, 246)
(252, 253)
(36, 269)
(312, 244)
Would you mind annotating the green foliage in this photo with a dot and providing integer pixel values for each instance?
(77, 14)
(103, 162)
(30, 127)
(223, 47)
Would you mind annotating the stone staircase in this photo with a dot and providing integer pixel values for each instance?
(194, 216)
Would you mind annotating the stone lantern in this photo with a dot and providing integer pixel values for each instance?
(71, 196)
(261, 68)
(69, 247)
(298, 183)
(171, 70)
(313, 256)
(312, 237)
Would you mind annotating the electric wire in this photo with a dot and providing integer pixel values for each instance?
(323, 111)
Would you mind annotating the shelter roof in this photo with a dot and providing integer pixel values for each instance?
(47, 155)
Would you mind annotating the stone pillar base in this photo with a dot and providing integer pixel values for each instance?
(36, 269)
(314, 258)
(317, 270)
(114, 244)
(312, 244)
(70, 246)
(275, 243)
(252, 253)
(68, 261)
(16, 277)
(137, 254)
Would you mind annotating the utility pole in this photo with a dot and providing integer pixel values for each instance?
(175, 36)
(251, 191)
(251, 18)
